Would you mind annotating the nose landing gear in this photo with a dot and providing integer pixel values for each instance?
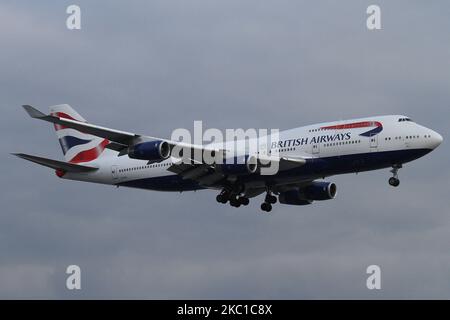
(394, 181)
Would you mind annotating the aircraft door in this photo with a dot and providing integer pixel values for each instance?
(374, 142)
(115, 172)
(315, 149)
(263, 148)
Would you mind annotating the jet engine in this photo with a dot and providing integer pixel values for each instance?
(317, 190)
(240, 165)
(151, 151)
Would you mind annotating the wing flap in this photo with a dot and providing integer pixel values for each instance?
(117, 147)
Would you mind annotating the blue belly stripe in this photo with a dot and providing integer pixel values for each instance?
(314, 168)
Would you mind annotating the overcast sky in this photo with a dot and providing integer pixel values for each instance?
(153, 66)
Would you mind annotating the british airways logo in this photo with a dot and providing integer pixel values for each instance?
(376, 126)
(306, 140)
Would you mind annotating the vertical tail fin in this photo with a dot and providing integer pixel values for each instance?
(78, 147)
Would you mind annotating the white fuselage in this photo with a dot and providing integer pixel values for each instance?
(333, 147)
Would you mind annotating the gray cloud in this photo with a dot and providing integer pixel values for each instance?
(152, 66)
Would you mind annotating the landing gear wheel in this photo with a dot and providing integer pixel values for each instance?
(244, 201)
(271, 199)
(395, 182)
(221, 198)
(265, 206)
(234, 202)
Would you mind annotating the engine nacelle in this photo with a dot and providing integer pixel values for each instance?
(318, 190)
(293, 197)
(151, 151)
(240, 165)
(306, 195)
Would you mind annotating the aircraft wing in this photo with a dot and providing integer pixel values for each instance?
(55, 164)
(284, 163)
(119, 140)
(120, 137)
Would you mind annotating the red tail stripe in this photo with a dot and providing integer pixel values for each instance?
(362, 124)
(91, 154)
(62, 115)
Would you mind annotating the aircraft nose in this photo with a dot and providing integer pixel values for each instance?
(436, 139)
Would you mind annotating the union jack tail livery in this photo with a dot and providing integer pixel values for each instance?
(77, 147)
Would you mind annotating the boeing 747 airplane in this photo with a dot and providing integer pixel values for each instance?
(304, 156)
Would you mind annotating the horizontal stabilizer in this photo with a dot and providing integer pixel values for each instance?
(55, 164)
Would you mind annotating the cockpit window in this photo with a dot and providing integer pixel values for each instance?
(404, 119)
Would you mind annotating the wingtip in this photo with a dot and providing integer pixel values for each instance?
(20, 155)
(33, 112)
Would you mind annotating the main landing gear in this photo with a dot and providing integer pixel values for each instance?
(223, 196)
(235, 200)
(394, 181)
(268, 201)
